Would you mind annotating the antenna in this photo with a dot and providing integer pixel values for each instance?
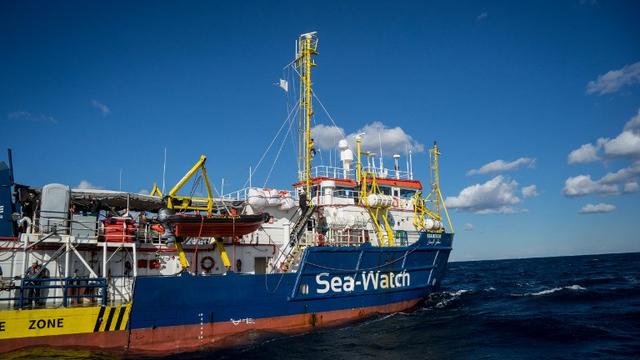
(410, 166)
(380, 143)
(120, 179)
(10, 157)
(406, 151)
(164, 168)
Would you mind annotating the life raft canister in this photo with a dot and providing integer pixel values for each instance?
(207, 263)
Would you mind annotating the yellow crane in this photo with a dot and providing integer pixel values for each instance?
(192, 203)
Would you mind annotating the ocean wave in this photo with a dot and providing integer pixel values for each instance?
(442, 299)
(574, 287)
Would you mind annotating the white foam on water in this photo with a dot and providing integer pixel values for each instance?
(556, 289)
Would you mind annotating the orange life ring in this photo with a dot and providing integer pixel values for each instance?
(207, 263)
(394, 203)
(320, 240)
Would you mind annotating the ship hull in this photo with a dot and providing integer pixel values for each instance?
(332, 286)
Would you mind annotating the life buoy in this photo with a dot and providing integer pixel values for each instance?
(320, 240)
(207, 263)
(394, 203)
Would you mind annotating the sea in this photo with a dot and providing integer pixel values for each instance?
(577, 307)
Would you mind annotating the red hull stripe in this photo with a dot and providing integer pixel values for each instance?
(174, 339)
(232, 333)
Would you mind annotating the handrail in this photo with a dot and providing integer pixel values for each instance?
(31, 290)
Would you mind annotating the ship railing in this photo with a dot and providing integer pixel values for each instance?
(47, 292)
(243, 194)
(237, 195)
(332, 172)
(342, 173)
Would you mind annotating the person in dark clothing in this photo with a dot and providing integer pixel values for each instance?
(30, 279)
(303, 201)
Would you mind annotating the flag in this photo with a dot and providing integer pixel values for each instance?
(284, 84)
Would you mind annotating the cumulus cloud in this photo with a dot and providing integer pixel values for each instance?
(631, 187)
(622, 175)
(610, 184)
(393, 139)
(501, 166)
(27, 116)
(468, 227)
(327, 137)
(104, 109)
(597, 208)
(143, 191)
(624, 145)
(497, 195)
(614, 80)
(482, 16)
(633, 123)
(86, 185)
(529, 191)
(584, 154)
(582, 185)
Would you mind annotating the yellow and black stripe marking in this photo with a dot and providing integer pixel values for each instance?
(112, 318)
(63, 321)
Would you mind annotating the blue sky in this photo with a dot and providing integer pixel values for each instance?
(92, 88)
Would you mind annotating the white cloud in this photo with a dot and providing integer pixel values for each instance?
(86, 185)
(614, 80)
(27, 116)
(497, 195)
(468, 227)
(626, 143)
(584, 154)
(622, 175)
(582, 185)
(633, 123)
(326, 137)
(143, 191)
(631, 187)
(393, 140)
(609, 184)
(501, 165)
(482, 16)
(529, 191)
(597, 209)
(104, 109)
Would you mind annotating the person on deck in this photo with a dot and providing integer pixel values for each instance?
(303, 201)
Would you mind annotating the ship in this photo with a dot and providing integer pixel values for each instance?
(164, 273)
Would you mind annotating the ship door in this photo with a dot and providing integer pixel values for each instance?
(260, 265)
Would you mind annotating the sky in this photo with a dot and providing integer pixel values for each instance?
(535, 104)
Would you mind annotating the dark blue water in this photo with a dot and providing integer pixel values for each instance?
(561, 308)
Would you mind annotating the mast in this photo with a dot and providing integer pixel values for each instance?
(434, 153)
(307, 45)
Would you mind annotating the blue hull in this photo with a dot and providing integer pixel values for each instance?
(328, 279)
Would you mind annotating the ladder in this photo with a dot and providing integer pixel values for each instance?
(299, 226)
(294, 246)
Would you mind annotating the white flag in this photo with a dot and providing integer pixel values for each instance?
(284, 84)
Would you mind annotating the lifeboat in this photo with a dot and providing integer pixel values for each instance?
(217, 225)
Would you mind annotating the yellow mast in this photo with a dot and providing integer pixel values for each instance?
(307, 45)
